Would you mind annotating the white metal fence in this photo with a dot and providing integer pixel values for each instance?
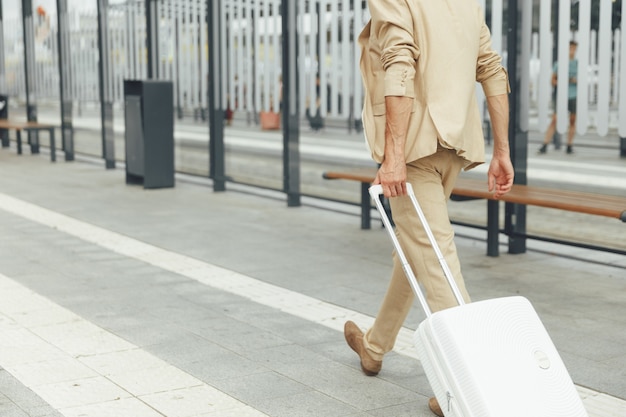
(327, 29)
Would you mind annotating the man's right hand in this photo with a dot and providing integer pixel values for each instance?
(392, 177)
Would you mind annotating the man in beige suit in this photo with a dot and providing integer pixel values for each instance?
(420, 61)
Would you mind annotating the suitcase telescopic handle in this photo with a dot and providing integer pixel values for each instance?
(375, 192)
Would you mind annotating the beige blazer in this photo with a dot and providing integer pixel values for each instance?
(435, 52)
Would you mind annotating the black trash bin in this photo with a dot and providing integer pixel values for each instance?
(4, 114)
(149, 133)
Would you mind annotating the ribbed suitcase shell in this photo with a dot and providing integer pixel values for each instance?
(495, 358)
(491, 358)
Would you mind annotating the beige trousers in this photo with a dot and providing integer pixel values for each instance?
(433, 179)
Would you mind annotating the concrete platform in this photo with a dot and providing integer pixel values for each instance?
(120, 301)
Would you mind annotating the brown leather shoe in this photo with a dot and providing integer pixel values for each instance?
(433, 404)
(354, 337)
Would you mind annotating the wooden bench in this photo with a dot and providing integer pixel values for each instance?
(20, 126)
(467, 188)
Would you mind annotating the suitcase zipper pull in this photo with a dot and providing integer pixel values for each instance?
(449, 398)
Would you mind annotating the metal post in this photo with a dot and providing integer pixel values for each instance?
(291, 120)
(4, 101)
(65, 80)
(2, 71)
(2, 66)
(217, 152)
(255, 111)
(622, 147)
(152, 39)
(493, 228)
(29, 71)
(177, 84)
(515, 214)
(106, 101)
(318, 14)
(556, 138)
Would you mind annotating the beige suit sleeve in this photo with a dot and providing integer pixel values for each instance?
(392, 30)
(489, 70)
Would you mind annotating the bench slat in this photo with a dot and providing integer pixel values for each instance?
(362, 175)
(14, 124)
(576, 201)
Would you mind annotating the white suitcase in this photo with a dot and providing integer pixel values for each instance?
(491, 358)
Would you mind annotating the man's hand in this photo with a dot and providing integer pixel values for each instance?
(500, 175)
(392, 176)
